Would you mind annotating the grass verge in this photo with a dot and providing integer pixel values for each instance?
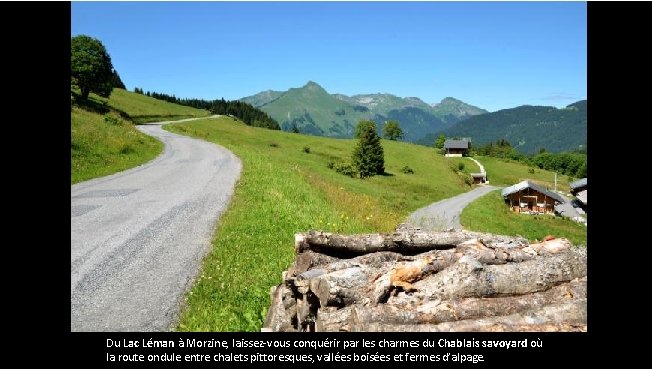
(104, 140)
(106, 144)
(490, 214)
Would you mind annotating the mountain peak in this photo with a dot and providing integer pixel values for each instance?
(449, 99)
(451, 105)
(313, 85)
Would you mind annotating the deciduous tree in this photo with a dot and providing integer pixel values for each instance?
(392, 130)
(90, 66)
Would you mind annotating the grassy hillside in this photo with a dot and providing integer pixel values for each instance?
(142, 109)
(284, 190)
(105, 146)
(490, 214)
(104, 140)
(506, 173)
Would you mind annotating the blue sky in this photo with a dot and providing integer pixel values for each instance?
(493, 55)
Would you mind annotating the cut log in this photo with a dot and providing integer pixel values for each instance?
(339, 288)
(566, 316)
(278, 319)
(415, 310)
(405, 242)
(307, 260)
(469, 278)
(336, 320)
(404, 275)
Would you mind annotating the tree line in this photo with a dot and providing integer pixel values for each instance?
(246, 112)
(568, 163)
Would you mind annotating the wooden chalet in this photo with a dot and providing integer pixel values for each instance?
(578, 189)
(578, 186)
(456, 147)
(529, 197)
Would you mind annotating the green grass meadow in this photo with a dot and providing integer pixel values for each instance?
(469, 165)
(143, 109)
(284, 190)
(490, 214)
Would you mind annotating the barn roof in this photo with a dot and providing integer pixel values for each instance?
(456, 144)
(527, 184)
(578, 184)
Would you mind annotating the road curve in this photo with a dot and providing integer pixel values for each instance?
(445, 214)
(138, 236)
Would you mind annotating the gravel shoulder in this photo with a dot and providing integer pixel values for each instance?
(138, 236)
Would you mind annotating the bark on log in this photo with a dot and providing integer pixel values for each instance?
(565, 316)
(469, 278)
(278, 319)
(403, 311)
(405, 242)
(403, 275)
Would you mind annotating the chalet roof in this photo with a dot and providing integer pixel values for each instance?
(577, 184)
(478, 175)
(527, 184)
(456, 144)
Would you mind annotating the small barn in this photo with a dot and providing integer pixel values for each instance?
(479, 178)
(456, 147)
(529, 197)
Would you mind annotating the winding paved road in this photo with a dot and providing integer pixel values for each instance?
(138, 236)
(445, 214)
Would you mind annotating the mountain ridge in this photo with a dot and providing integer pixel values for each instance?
(528, 128)
(313, 110)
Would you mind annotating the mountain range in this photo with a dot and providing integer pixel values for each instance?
(312, 110)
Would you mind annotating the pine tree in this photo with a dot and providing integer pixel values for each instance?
(116, 81)
(368, 155)
(363, 125)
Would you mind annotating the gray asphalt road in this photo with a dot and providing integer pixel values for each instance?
(445, 214)
(138, 236)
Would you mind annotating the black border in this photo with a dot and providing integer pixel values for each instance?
(40, 51)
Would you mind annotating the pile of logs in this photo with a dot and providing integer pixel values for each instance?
(412, 280)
